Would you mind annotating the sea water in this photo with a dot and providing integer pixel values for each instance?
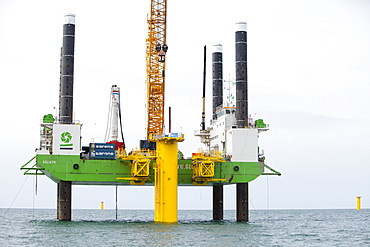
(39, 227)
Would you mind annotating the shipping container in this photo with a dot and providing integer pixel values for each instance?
(146, 144)
(96, 146)
(102, 154)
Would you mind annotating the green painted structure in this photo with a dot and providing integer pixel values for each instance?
(105, 172)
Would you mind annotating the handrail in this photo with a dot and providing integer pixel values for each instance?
(28, 169)
(22, 167)
(274, 171)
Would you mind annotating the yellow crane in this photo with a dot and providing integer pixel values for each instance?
(166, 173)
(156, 49)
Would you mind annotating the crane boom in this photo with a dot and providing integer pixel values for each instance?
(156, 49)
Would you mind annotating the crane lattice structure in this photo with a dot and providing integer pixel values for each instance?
(156, 49)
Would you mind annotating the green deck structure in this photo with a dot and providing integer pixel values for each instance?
(105, 172)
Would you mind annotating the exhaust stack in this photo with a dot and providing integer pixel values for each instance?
(66, 71)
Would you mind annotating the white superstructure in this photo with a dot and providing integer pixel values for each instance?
(236, 144)
(219, 127)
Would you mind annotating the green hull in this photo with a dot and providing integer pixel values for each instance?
(106, 172)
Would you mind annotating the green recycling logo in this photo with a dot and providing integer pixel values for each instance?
(66, 137)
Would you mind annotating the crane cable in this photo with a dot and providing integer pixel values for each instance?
(11, 204)
(268, 197)
(116, 201)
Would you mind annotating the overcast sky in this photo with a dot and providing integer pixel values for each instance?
(308, 75)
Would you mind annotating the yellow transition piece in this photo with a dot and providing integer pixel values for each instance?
(166, 180)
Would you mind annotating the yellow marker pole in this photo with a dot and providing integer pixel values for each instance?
(358, 203)
(101, 205)
(166, 180)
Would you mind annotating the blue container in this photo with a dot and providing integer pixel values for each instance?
(145, 144)
(96, 146)
(102, 154)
